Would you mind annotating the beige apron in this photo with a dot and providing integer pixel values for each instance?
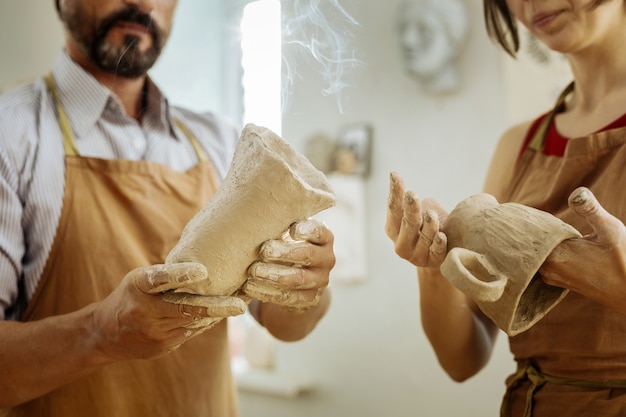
(119, 215)
(573, 361)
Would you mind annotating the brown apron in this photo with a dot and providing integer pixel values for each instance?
(573, 361)
(119, 215)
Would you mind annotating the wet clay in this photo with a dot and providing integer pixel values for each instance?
(494, 253)
(268, 187)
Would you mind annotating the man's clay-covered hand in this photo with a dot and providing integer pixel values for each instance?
(414, 226)
(135, 321)
(294, 271)
(593, 265)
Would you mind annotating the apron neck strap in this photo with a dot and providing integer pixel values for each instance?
(69, 143)
(538, 140)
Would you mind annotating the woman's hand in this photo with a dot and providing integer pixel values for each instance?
(593, 265)
(414, 226)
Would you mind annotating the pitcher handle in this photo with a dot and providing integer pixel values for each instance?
(473, 275)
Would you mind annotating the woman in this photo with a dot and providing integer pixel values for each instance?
(566, 162)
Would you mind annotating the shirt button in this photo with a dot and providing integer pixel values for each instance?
(139, 143)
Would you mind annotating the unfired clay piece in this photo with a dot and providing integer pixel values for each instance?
(495, 251)
(268, 187)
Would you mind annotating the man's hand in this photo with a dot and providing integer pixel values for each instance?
(294, 271)
(413, 226)
(145, 318)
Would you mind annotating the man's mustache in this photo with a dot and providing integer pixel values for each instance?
(131, 15)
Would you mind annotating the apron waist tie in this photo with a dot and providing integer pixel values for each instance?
(538, 379)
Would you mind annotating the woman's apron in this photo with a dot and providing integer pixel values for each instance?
(118, 215)
(573, 361)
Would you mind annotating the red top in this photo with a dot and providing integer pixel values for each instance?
(554, 143)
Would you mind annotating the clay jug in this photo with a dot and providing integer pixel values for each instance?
(494, 253)
(268, 187)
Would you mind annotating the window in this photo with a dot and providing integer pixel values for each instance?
(260, 27)
(261, 62)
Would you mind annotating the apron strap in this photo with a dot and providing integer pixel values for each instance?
(538, 379)
(202, 157)
(69, 143)
(538, 140)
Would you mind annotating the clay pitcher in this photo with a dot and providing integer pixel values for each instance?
(494, 253)
(268, 187)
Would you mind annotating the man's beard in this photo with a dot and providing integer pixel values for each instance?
(126, 60)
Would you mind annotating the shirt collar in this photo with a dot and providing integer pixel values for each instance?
(84, 99)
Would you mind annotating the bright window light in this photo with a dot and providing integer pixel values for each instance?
(261, 60)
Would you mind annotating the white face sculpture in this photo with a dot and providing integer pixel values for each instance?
(431, 36)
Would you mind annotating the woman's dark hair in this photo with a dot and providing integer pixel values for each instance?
(502, 25)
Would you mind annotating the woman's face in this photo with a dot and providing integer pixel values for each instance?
(569, 26)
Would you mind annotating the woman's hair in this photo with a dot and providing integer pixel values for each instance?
(502, 25)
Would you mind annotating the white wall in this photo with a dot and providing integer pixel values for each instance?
(369, 356)
(188, 71)
(30, 39)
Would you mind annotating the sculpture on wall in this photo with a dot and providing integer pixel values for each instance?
(432, 36)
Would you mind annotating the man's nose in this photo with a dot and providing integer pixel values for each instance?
(145, 6)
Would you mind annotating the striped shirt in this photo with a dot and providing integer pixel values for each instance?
(32, 169)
